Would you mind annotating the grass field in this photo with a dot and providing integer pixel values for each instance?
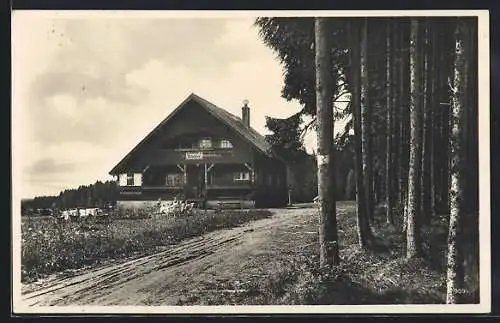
(281, 270)
(381, 275)
(50, 246)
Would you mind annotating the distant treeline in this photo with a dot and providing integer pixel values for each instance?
(94, 195)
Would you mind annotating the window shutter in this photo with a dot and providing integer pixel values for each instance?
(122, 179)
(137, 179)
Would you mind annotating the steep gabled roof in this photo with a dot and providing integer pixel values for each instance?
(235, 123)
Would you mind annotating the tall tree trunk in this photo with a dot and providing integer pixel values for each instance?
(364, 232)
(396, 102)
(441, 136)
(454, 279)
(432, 73)
(472, 164)
(404, 126)
(472, 167)
(413, 244)
(366, 136)
(389, 169)
(328, 237)
(425, 192)
(437, 119)
(466, 153)
(445, 173)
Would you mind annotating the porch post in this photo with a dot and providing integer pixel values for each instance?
(184, 171)
(252, 172)
(206, 175)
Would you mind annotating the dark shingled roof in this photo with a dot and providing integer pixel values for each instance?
(237, 124)
(234, 122)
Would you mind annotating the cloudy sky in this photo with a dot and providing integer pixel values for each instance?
(87, 88)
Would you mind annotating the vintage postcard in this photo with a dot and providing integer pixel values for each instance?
(251, 162)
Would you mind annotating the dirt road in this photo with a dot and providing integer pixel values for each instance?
(187, 272)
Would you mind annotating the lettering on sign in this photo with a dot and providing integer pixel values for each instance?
(130, 193)
(194, 155)
(212, 155)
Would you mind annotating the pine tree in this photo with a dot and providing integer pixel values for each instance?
(390, 124)
(413, 244)
(329, 248)
(454, 275)
(425, 186)
(404, 120)
(363, 226)
(366, 139)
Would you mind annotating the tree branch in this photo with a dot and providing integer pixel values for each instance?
(339, 95)
(306, 128)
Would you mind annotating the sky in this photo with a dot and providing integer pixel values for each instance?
(87, 89)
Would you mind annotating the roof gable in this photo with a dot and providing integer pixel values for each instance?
(233, 122)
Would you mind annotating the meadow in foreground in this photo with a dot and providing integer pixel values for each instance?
(49, 245)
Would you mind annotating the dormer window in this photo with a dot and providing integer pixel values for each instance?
(225, 144)
(205, 143)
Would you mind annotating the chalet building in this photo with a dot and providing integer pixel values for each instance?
(202, 153)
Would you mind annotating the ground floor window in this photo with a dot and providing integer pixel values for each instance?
(241, 176)
(175, 179)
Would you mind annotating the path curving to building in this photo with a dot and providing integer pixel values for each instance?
(188, 272)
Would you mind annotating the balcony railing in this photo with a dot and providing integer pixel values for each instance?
(172, 188)
(161, 187)
(230, 186)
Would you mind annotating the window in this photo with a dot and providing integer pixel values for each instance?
(205, 143)
(182, 142)
(241, 176)
(174, 180)
(225, 144)
(186, 144)
(130, 179)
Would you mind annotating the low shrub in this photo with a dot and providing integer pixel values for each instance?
(50, 245)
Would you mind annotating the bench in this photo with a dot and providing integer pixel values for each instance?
(223, 202)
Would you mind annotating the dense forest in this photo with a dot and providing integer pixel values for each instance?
(413, 108)
(99, 194)
(410, 138)
(287, 139)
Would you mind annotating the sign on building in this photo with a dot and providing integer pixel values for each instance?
(194, 155)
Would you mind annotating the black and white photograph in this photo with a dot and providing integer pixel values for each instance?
(251, 161)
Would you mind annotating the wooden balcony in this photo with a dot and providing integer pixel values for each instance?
(194, 156)
(236, 186)
(161, 188)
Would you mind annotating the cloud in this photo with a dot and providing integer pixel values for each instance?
(87, 90)
(63, 118)
(50, 165)
(256, 78)
(63, 165)
(92, 56)
(85, 85)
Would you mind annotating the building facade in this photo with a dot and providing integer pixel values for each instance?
(204, 154)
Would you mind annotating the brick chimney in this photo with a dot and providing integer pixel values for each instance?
(245, 113)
